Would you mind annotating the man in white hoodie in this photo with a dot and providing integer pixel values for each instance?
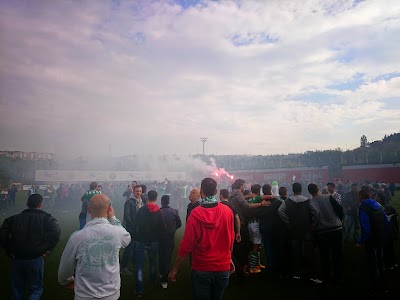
(93, 254)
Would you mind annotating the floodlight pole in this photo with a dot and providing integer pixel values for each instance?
(203, 140)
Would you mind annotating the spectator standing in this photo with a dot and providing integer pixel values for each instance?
(148, 228)
(172, 222)
(85, 203)
(90, 258)
(209, 236)
(350, 205)
(27, 238)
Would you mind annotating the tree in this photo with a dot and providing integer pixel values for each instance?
(364, 142)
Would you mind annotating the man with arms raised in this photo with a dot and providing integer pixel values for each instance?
(209, 236)
(92, 254)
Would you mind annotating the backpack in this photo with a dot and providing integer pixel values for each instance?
(377, 235)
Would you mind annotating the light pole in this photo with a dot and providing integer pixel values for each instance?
(203, 140)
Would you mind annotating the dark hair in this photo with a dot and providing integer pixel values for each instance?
(138, 186)
(34, 200)
(165, 200)
(363, 194)
(267, 189)
(208, 186)
(134, 181)
(255, 188)
(144, 188)
(282, 191)
(238, 184)
(354, 185)
(381, 196)
(246, 192)
(296, 187)
(152, 195)
(93, 186)
(224, 193)
(331, 184)
(313, 188)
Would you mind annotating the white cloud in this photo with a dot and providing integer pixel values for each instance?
(154, 77)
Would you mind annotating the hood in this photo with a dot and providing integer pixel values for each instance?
(209, 217)
(153, 207)
(298, 198)
(372, 204)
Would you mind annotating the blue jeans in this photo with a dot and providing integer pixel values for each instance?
(27, 274)
(129, 253)
(209, 285)
(152, 250)
(351, 221)
(376, 266)
(82, 220)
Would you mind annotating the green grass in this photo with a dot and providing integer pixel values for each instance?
(258, 286)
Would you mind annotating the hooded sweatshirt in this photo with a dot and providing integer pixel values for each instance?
(299, 214)
(374, 223)
(92, 256)
(148, 225)
(209, 236)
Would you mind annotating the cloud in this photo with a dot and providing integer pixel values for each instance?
(256, 77)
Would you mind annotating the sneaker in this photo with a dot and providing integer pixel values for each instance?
(296, 277)
(260, 266)
(125, 271)
(138, 296)
(164, 285)
(254, 271)
(316, 281)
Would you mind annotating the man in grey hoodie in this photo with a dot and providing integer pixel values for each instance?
(300, 216)
(328, 233)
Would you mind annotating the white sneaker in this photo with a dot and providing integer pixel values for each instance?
(316, 281)
(164, 285)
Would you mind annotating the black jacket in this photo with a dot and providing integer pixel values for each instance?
(269, 219)
(30, 234)
(171, 219)
(148, 226)
(130, 210)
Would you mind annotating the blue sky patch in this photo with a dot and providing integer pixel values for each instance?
(386, 77)
(239, 40)
(354, 83)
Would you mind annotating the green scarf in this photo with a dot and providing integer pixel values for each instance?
(209, 200)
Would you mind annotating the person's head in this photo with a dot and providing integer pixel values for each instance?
(93, 186)
(152, 196)
(256, 189)
(35, 201)
(267, 189)
(165, 200)
(296, 187)
(246, 192)
(144, 188)
(99, 206)
(354, 187)
(208, 187)
(363, 195)
(133, 184)
(98, 188)
(380, 197)
(283, 192)
(313, 189)
(331, 187)
(223, 194)
(238, 185)
(194, 195)
(137, 191)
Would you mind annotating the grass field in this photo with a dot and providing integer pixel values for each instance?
(258, 286)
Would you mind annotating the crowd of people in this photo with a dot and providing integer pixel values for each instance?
(225, 233)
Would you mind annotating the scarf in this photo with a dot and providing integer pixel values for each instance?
(208, 200)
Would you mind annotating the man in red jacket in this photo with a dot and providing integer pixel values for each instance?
(209, 236)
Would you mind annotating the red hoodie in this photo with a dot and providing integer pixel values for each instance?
(209, 236)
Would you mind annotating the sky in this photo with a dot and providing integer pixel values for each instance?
(255, 77)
